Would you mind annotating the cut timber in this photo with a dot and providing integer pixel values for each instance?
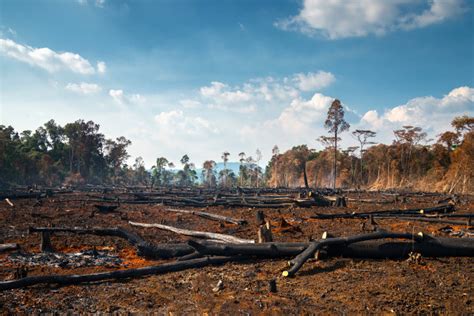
(8, 247)
(114, 275)
(265, 233)
(194, 233)
(9, 202)
(210, 216)
(46, 245)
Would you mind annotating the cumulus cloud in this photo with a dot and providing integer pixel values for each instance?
(121, 98)
(354, 18)
(314, 81)
(46, 58)
(247, 97)
(83, 88)
(222, 93)
(432, 114)
(177, 124)
(300, 122)
(101, 67)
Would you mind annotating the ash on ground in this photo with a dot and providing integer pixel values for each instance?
(87, 258)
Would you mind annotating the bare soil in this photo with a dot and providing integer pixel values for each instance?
(329, 286)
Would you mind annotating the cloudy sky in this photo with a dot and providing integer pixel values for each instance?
(203, 77)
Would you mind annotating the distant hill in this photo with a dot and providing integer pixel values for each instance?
(234, 166)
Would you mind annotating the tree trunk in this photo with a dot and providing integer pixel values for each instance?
(305, 176)
(334, 162)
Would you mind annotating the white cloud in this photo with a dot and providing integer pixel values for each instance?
(254, 93)
(97, 3)
(313, 81)
(101, 67)
(121, 98)
(117, 95)
(176, 125)
(353, 18)
(432, 114)
(83, 87)
(46, 58)
(222, 93)
(301, 122)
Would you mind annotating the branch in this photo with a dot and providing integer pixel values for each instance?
(210, 216)
(195, 233)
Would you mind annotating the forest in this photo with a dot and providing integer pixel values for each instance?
(78, 153)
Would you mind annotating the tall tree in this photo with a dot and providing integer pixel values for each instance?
(406, 139)
(241, 167)
(158, 171)
(225, 159)
(208, 172)
(258, 157)
(362, 136)
(116, 155)
(336, 124)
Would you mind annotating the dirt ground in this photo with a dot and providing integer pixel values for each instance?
(330, 286)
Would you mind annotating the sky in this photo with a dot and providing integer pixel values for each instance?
(204, 77)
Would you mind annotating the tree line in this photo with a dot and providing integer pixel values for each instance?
(78, 153)
(409, 162)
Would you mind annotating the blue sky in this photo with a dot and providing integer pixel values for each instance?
(202, 77)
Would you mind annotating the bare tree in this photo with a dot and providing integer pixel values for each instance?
(363, 136)
(241, 169)
(336, 124)
(208, 172)
(350, 152)
(225, 159)
(258, 155)
(409, 136)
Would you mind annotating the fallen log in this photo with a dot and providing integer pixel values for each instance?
(114, 275)
(195, 233)
(299, 260)
(134, 239)
(265, 250)
(428, 247)
(210, 216)
(373, 249)
(396, 212)
(427, 219)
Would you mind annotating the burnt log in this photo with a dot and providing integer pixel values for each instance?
(114, 275)
(309, 252)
